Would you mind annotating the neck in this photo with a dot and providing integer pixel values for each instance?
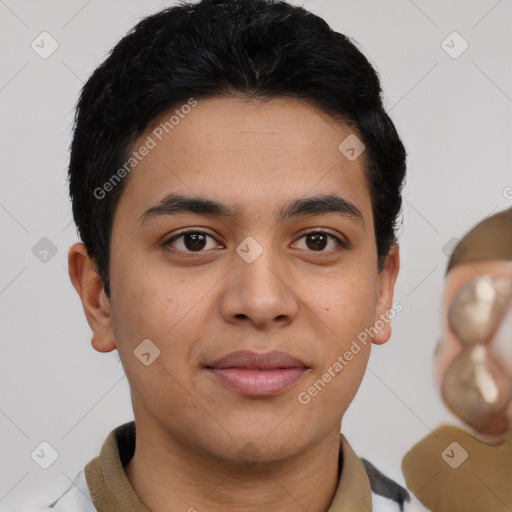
(166, 475)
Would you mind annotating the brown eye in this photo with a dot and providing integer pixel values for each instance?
(317, 241)
(191, 241)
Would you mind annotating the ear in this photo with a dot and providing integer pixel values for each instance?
(89, 287)
(385, 288)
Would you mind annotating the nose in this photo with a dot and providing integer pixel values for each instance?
(259, 292)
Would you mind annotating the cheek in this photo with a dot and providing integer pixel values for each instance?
(144, 296)
(347, 307)
(153, 311)
(161, 307)
(333, 386)
(344, 312)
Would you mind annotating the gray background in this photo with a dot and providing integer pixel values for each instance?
(453, 114)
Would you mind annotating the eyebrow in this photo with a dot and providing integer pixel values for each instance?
(175, 204)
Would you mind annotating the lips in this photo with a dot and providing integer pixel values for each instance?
(257, 374)
(252, 360)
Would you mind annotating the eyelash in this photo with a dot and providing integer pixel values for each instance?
(341, 243)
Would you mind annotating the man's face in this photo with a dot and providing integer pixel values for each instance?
(253, 281)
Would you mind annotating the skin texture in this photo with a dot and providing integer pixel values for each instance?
(193, 432)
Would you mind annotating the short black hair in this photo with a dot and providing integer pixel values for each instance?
(252, 49)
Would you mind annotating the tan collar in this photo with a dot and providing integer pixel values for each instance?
(111, 490)
(353, 492)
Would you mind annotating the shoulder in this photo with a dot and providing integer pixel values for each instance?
(388, 495)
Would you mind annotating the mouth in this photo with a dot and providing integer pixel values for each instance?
(257, 374)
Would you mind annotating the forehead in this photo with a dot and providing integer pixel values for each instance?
(294, 121)
(247, 152)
